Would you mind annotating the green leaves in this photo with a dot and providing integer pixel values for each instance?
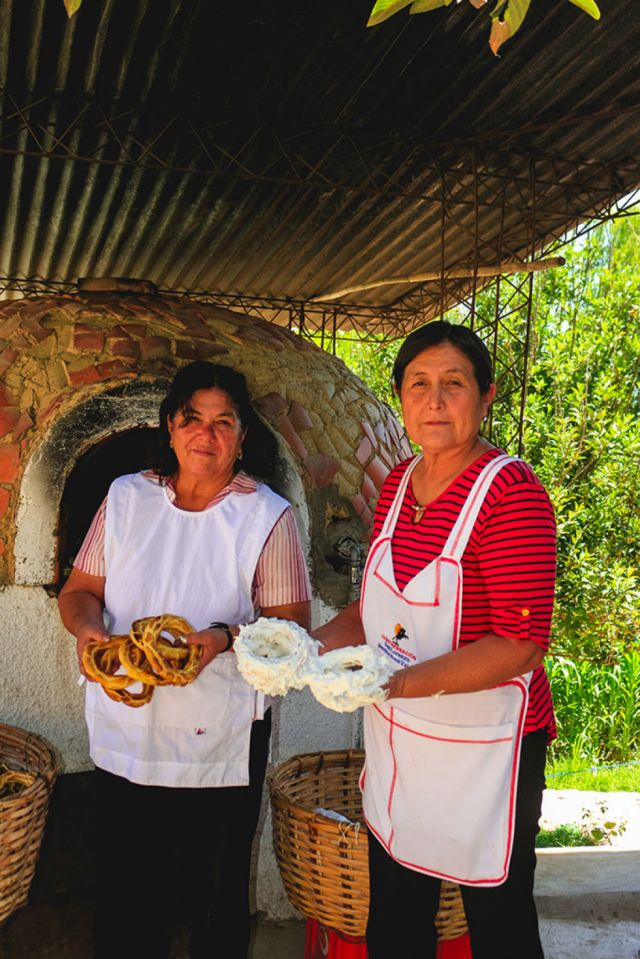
(598, 712)
(424, 6)
(71, 6)
(507, 16)
(588, 6)
(385, 9)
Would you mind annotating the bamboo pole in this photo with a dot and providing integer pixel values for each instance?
(459, 273)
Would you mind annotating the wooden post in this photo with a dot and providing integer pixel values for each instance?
(456, 273)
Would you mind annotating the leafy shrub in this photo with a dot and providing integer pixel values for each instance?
(597, 708)
(568, 834)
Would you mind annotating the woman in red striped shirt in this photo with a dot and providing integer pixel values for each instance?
(458, 593)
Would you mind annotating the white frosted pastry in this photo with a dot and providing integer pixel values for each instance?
(272, 654)
(347, 678)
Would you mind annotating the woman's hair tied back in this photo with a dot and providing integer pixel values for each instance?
(441, 331)
(259, 446)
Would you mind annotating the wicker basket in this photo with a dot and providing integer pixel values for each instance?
(324, 863)
(22, 817)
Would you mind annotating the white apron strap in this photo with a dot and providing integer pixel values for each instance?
(459, 535)
(394, 510)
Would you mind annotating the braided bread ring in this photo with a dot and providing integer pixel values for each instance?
(137, 666)
(147, 657)
(128, 698)
(102, 660)
(13, 782)
(146, 633)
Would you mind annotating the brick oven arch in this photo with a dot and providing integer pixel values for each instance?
(124, 407)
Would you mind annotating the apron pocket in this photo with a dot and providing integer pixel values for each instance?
(452, 799)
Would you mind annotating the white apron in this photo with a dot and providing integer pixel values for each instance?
(198, 565)
(440, 776)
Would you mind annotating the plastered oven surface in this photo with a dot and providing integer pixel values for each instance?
(76, 370)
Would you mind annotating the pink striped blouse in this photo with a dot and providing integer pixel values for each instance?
(281, 575)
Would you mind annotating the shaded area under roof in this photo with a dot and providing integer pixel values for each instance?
(282, 152)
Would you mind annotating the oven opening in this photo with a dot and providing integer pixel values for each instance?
(88, 483)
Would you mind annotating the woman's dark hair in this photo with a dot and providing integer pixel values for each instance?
(441, 331)
(259, 446)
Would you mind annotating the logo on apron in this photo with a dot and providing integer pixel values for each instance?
(392, 648)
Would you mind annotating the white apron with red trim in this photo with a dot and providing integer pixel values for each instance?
(440, 776)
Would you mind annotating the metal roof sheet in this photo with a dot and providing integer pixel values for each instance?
(285, 151)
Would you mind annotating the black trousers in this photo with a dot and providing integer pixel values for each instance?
(170, 857)
(502, 921)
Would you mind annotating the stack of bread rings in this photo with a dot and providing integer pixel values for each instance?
(146, 656)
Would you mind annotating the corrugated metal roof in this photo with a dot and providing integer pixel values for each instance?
(283, 150)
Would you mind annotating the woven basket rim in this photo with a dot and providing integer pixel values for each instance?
(322, 756)
(304, 763)
(47, 772)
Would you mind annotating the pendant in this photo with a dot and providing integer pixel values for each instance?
(418, 513)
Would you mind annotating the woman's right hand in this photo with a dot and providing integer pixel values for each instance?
(81, 603)
(212, 641)
(89, 633)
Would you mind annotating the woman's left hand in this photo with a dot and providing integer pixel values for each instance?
(212, 641)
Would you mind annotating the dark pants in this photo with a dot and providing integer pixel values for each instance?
(174, 856)
(502, 921)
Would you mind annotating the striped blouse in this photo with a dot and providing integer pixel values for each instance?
(508, 565)
(281, 576)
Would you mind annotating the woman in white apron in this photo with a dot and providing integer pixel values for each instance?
(179, 780)
(458, 593)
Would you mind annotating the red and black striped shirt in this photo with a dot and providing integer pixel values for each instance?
(508, 567)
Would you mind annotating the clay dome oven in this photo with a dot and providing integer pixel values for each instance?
(83, 375)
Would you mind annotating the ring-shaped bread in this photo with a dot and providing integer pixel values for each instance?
(130, 698)
(13, 781)
(102, 660)
(271, 655)
(345, 679)
(146, 656)
(137, 666)
(165, 658)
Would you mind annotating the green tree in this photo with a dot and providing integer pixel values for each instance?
(372, 361)
(582, 431)
(582, 435)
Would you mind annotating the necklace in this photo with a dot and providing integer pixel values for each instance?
(418, 513)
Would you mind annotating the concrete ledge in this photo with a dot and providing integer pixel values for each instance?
(588, 884)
